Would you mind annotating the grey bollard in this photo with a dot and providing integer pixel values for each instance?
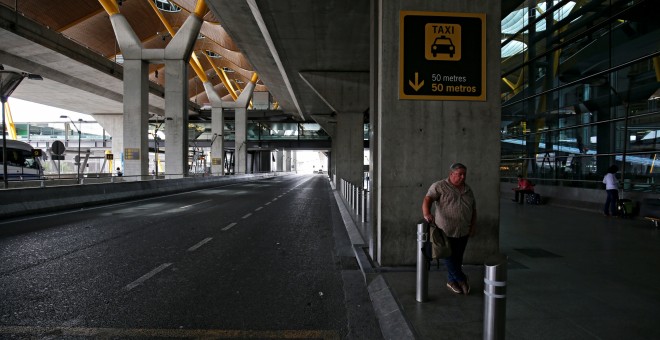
(422, 291)
(495, 297)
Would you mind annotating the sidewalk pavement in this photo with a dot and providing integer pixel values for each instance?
(572, 274)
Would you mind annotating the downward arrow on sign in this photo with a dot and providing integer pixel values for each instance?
(416, 85)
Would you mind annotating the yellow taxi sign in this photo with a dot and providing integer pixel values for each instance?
(442, 56)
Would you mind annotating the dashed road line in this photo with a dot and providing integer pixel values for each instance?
(190, 205)
(146, 276)
(267, 203)
(229, 226)
(246, 216)
(258, 209)
(201, 243)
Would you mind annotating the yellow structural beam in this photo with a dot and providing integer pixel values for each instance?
(194, 62)
(200, 8)
(10, 122)
(110, 6)
(223, 77)
(197, 67)
(656, 66)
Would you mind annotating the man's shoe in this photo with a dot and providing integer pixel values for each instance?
(454, 287)
(465, 287)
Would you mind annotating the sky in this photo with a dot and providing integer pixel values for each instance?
(27, 112)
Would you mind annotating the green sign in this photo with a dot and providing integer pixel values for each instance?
(442, 56)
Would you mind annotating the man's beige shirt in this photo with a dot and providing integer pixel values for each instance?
(453, 208)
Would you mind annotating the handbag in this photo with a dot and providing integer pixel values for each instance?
(439, 242)
(435, 246)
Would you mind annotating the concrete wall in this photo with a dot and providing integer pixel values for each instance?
(18, 202)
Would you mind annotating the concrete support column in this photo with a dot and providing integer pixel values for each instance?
(294, 161)
(287, 160)
(279, 160)
(437, 133)
(136, 119)
(374, 102)
(176, 108)
(348, 147)
(218, 146)
(240, 156)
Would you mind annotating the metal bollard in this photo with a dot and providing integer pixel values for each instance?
(495, 297)
(422, 271)
(365, 205)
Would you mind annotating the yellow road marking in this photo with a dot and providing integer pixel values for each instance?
(173, 333)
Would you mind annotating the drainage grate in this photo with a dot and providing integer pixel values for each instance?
(536, 252)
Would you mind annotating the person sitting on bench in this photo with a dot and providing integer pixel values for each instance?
(524, 187)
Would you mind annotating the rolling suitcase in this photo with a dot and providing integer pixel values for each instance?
(624, 207)
(533, 198)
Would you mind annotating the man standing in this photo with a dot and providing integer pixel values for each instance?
(456, 215)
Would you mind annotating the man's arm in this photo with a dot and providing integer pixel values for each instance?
(473, 223)
(426, 209)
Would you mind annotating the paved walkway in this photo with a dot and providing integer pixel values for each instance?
(572, 274)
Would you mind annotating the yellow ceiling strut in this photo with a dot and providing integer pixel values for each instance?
(197, 67)
(656, 66)
(110, 6)
(200, 8)
(223, 77)
(10, 122)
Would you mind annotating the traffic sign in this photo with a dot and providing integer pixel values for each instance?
(442, 56)
(57, 148)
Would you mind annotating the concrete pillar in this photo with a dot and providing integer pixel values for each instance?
(240, 156)
(176, 108)
(136, 119)
(240, 121)
(217, 131)
(374, 55)
(279, 160)
(287, 160)
(294, 161)
(136, 60)
(437, 133)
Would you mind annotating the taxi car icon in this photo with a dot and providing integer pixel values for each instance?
(443, 45)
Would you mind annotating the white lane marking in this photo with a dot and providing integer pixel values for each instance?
(146, 276)
(229, 226)
(267, 203)
(201, 243)
(246, 216)
(190, 205)
(275, 199)
(258, 209)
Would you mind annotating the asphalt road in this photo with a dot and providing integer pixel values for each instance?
(266, 259)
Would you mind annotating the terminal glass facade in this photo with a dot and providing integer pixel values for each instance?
(580, 85)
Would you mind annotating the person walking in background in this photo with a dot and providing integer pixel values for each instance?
(456, 214)
(612, 189)
(524, 187)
